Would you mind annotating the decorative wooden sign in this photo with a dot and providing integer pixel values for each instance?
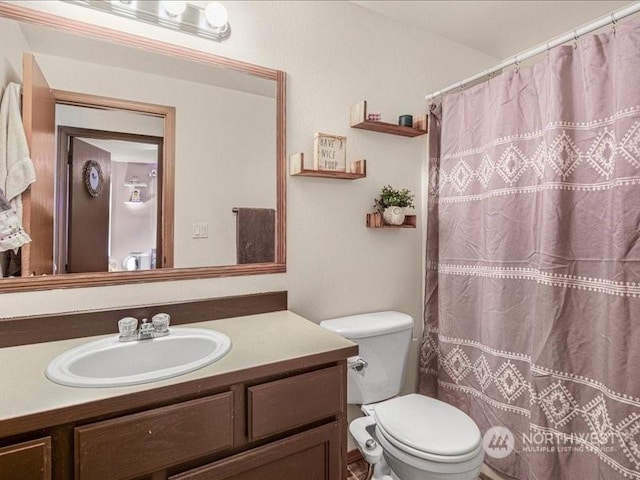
(330, 152)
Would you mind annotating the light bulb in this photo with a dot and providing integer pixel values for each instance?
(216, 15)
(174, 8)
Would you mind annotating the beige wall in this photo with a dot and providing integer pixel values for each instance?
(11, 42)
(335, 54)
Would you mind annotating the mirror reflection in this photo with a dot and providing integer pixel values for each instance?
(154, 161)
(116, 230)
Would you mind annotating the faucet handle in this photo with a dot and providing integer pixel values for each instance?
(127, 326)
(161, 322)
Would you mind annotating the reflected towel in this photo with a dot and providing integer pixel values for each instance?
(16, 168)
(12, 236)
(255, 235)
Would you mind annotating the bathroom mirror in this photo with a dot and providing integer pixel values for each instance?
(153, 162)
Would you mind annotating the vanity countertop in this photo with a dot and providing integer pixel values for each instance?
(257, 342)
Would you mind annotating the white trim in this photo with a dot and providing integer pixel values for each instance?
(472, 391)
(544, 371)
(583, 187)
(600, 285)
(570, 377)
(496, 353)
(625, 113)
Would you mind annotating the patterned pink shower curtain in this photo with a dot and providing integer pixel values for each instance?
(532, 307)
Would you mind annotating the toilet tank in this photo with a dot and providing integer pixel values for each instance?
(383, 339)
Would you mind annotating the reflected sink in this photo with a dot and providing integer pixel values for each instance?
(111, 363)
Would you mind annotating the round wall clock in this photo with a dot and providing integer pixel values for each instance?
(93, 177)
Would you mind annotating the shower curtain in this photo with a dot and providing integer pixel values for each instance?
(532, 305)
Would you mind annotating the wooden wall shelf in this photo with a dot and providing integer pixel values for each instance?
(375, 220)
(359, 120)
(296, 169)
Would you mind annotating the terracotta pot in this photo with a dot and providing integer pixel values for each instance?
(393, 215)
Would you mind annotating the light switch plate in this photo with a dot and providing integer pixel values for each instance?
(200, 230)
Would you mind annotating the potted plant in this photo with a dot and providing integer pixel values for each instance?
(392, 204)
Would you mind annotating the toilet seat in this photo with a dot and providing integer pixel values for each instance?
(408, 466)
(428, 428)
(432, 457)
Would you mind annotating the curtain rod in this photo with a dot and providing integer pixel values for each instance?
(532, 52)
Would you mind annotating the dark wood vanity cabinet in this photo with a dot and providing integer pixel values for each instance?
(312, 455)
(276, 407)
(291, 402)
(150, 441)
(27, 460)
(286, 424)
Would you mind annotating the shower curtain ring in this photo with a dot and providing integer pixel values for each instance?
(435, 98)
(517, 62)
(575, 39)
(548, 50)
(613, 22)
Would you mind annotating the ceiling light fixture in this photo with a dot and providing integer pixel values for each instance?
(174, 8)
(216, 15)
(211, 22)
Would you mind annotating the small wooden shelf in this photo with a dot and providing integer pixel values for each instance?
(296, 169)
(375, 220)
(324, 174)
(359, 120)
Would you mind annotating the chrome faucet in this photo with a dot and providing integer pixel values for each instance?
(129, 331)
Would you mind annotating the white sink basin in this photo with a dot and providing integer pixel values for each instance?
(111, 363)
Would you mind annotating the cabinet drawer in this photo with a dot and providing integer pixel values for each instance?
(26, 461)
(312, 455)
(292, 402)
(146, 442)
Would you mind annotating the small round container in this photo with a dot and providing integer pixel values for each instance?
(405, 120)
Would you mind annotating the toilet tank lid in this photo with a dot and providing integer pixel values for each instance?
(369, 324)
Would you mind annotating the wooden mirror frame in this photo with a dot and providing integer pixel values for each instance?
(77, 280)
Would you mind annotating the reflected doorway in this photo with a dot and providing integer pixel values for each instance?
(108, 216)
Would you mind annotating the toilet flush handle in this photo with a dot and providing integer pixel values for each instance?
(357, 363)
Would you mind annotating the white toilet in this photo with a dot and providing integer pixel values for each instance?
(409, 437)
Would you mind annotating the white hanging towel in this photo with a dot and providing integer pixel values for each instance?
(16, 168)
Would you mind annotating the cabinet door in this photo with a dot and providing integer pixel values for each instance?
(147, 442)
(312, 455)
(292, 402)
(26, 461)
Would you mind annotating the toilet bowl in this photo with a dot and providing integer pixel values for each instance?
(137, 261)
(422, 438)
(408, 437)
